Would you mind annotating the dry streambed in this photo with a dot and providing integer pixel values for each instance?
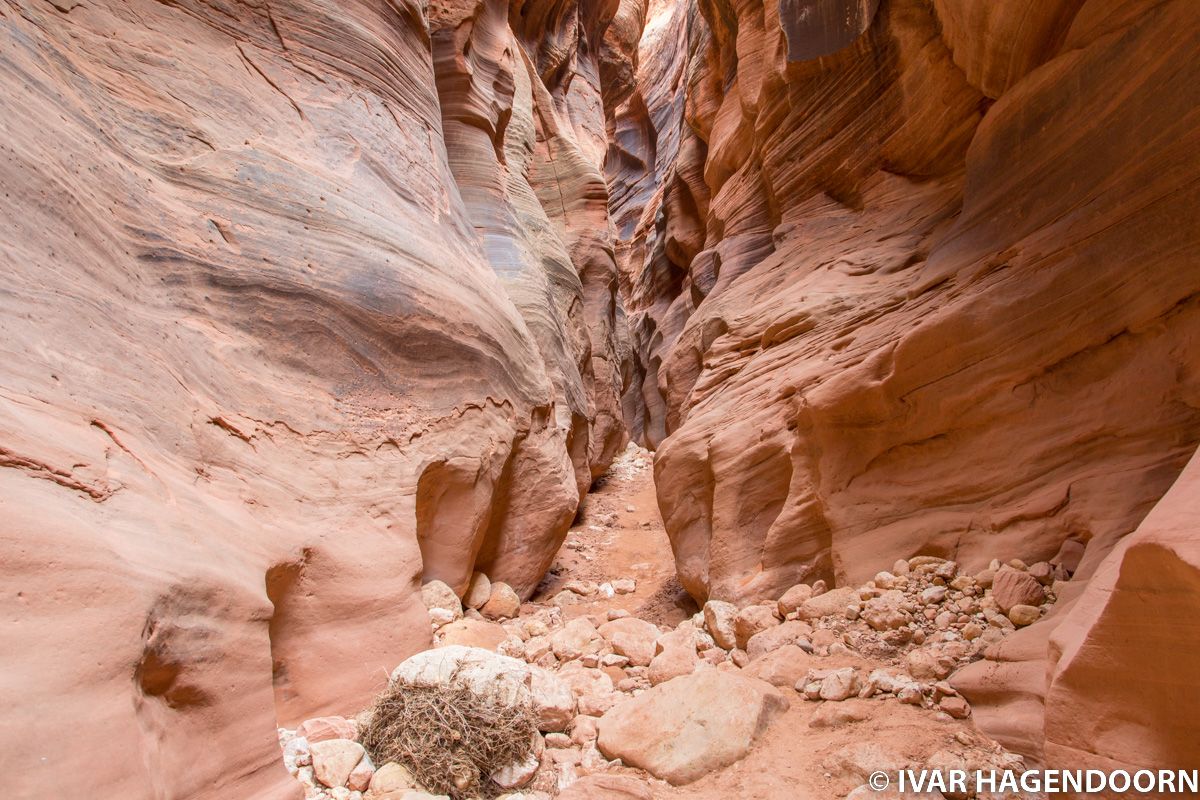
(578, 697)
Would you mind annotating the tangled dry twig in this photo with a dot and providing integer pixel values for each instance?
(448, 736)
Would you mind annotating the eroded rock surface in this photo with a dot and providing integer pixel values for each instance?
(932, 293)
(305, 303)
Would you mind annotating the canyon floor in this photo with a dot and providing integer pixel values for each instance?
(850, 691)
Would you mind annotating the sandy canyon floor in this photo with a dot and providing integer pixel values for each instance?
(897, 711)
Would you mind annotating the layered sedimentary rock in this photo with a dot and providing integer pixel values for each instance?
(935, 291)
(278, 343)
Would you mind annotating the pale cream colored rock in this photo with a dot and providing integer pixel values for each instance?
(334, 760)
(553, 700)
(719, 619)
(687, 727)
(832, 603)
(391, 777)
(573, 640)
(437, 595)
(478, 591)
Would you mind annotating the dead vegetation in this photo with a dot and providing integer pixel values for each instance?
(451, 738)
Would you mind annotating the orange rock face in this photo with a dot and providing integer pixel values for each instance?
(304, 302)
(931, 289)
(933, 293)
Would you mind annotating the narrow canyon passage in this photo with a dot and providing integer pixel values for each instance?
(339, 337)
(640, 694)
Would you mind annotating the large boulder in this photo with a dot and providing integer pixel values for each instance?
(1014, 587)
(782, 667)
(485, 673)
(835, 602)
(471, 633)
(632, 638)
(687, 727)
(720, 619)
(792, 632)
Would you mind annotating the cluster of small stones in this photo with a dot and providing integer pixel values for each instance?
(922, 618)
(326, 756)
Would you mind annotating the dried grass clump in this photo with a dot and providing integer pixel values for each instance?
(450, 738)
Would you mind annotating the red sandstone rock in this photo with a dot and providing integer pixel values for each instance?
(832, 293)
(266, 366)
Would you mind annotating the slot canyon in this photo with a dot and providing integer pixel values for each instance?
(772, 391)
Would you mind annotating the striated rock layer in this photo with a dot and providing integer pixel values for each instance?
(293, 318)
(931, 289)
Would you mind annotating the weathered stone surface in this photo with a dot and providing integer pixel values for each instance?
(834, 602)
(720, 620)
(553, 700)
(503, 602)
(334, 760)
(684, 728)
(273, 355)
(781, 667)
(1012, 587)
(829, 299)
(478, 591)
(793, 598)
(632, 638)
(321, 728)
(753, 620)
(472, 633)
(791, 632)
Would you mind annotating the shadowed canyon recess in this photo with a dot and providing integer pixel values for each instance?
(825, 373)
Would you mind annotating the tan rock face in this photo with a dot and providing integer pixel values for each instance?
(684, 728)
(277, 348)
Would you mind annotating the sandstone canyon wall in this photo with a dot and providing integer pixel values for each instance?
(304, 301)
(931, 289)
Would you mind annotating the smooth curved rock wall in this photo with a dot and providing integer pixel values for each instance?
(285, 331)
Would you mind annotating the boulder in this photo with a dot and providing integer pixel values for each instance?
(553, 700)
(632, 638)
(479, 591)
(391, 777)
(719, 619)
(753, 620)
(781, 667)
(437, 595)
(360, 777)
(791, 632)
(832, 603)
(672, 662)
(503, 603)
(1012, 587)
(793, 598)
(320, 729)
(1022, 615)
(472, 633)
(687, 727)
(488, 674)
(585, 681)
(334, 760)
(886, 612)
(577, 637)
